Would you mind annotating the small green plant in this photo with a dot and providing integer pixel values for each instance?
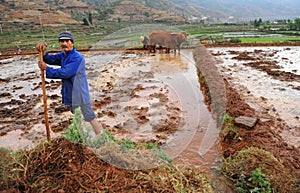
(256, 183)
(258, 179)
(151, 146)
(229, 133)
(245, 168)
(164, 156)
(127, 143)
(105, 137)
(75, 131)
(227, 119)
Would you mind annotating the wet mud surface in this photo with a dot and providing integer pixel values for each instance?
(135, 95)
(151, 98)
(21, 102)
(263, 82)
(268, 78)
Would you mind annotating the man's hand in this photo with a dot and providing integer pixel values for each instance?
(42, 65)
(41, 48)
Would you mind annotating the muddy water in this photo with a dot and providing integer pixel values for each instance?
(21, 123)
(142, 97)
(278, 94)
(163, 103)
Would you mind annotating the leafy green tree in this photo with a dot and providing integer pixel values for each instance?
(147, 14)
(257, 23)
(267, 27)
(119, 21)
(294, 25)
(85, 21)
(291, 26)
(104, 13)
(297, 23)
(90, 18)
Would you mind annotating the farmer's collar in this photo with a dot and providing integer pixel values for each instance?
(69, 51)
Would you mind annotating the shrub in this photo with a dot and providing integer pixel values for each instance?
(229, 133)
(235, 40)
(257, 170)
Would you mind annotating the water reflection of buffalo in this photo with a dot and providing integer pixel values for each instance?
(169, 40)
(145, 41)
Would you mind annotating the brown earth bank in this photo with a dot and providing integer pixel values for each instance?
(264, 135)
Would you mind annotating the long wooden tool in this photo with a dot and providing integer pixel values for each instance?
(45, 99)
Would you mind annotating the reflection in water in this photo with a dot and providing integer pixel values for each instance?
(196, 143)
(169, 63)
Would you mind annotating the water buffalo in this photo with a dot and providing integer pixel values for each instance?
(175, 40)
(145, 41)
(170, 40)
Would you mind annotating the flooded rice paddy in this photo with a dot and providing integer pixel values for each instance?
(268, 78)
(153, 98)
(137, 96)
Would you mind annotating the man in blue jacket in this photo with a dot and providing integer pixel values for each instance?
(75, 91)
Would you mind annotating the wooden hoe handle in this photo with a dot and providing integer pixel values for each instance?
(45, 99)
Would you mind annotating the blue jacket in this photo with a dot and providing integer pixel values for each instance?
(75, 89)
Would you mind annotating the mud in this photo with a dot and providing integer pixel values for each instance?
(271, 96)
(137, 96)
(269, 82)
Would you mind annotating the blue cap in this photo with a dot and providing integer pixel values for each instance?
(66, 36)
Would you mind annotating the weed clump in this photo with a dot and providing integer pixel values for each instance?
(256, 170)
(229, 134)
(64, 166)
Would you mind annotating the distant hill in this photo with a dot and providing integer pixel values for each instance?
(163, 9)
(73, 11)
(251, 8)
(145, 11)
(48, 12)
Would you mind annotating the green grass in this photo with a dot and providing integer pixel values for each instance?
(270, 39)
(28, 38)
(85, 36)
(213, 29)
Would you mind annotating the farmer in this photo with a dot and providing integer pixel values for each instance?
(75, 92)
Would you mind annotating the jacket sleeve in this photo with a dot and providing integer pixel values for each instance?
(67, 70)
(53, 59)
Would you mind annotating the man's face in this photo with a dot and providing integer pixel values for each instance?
(66, 45)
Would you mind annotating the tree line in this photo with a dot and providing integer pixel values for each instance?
(293, 25)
